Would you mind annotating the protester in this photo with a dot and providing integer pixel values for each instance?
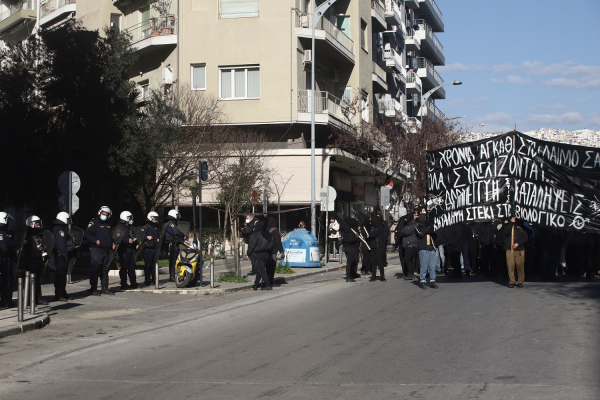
(246, 232)
(377, 244)
(516, 237)
(427, 254)
(409, 243)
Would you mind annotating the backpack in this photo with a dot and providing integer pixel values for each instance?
(262, 244)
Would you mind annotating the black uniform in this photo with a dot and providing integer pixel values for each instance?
(174, 237)
(126, 253)
(411, 251)
(377, 240)
(366, 251)
(33, 259)
(98, 230)
(150, 248)
(262, 248)
(63, 246)
(7, 253)
(271, 229)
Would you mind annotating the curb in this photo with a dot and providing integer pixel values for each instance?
(39, 321)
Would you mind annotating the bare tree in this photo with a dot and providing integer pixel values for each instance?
(279, 184)
(243, 168)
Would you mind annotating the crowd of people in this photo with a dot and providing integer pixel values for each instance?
(32, 249)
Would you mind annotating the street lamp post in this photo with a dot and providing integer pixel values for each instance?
(432, 91)
(480, 126)
(317, 14)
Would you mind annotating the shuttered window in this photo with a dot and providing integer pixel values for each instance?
(238, 8)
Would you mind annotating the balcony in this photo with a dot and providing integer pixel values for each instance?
(411, 4)
(329, 39)
(430, 78)
(389, 106)
(153, 34)
(391, 58)
(411, 41)
(431, 47)
(430, 11)
(56, 10)
(413, 83)
(392, 12)
(378, 16)
(379, 79)
(430, 110)
(20, 11)
(329, 110)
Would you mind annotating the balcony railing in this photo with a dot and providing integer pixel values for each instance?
(424, 26)
(325, 103)
(18, 6)
(433, 111)
(392, 9)
(53, 5)
(425, 63)
(411, 77)
(435, 8)
(305, 21)
(378, 7)
(390, 54)
(157, 26)
(377, 70)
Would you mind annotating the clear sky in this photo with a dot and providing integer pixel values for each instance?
(535, 63)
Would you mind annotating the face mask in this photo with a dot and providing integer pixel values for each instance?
(103, 217)
(248, 220)
(130, 222)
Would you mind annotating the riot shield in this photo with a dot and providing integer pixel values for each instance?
(184, 227)
(161, 241)
(118, 234)
(19, 241)
(77, 238)
(48, 241)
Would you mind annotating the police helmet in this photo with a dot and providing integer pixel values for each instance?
(4, 217)
(63, 217)
(174, 214)
(152, 216)
(32, 220)
(127, 217)
(105, 209)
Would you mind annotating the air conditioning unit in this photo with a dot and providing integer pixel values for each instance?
(167, 76)
(307, 56)
(304, 21)
(334, 75)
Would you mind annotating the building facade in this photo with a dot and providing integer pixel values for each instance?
(256, 57)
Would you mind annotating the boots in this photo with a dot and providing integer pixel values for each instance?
(106, 291)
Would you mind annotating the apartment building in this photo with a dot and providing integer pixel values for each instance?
(256, 57)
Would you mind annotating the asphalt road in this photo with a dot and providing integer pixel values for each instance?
(318, 338)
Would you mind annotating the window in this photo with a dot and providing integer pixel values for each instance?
(240, 83)
(343, 24)
(363, 34)
(199, 77)
(144, 90)
(238, 8)
(115, 21)
(365, 107)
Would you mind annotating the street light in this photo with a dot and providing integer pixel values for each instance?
(426, 96)
(317, 14)
(462, 116)
(480, 126)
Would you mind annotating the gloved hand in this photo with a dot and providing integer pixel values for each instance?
(279, 255)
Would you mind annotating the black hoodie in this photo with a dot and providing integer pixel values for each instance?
(350, 239)
(272, 231)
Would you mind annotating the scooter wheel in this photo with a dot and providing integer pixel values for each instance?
(182, 281)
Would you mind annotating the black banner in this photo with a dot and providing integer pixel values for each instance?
(545, 183)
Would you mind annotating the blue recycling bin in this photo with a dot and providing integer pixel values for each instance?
(301, 249)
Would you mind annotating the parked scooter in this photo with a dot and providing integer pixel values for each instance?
(188, 267)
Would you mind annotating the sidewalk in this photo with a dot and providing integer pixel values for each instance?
(8, 317)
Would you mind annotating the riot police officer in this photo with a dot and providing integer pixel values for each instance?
(173, 237)
(151, 234)
(126, 245)
(63, 247)
(34, 254)
(101, 244)
(8, 252)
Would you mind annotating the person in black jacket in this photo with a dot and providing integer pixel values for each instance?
(516, 237)
(63, 246)
(377, 244)
(364, 249)
(351, 244)
(486, 236)
(151, 236)
(273, 231)
(246, 232)
(427, 254)
(127, 245)
(34, 254)
(100, 238)
(8, 252)
(455, 237)
(261, 247)
(409, 244)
